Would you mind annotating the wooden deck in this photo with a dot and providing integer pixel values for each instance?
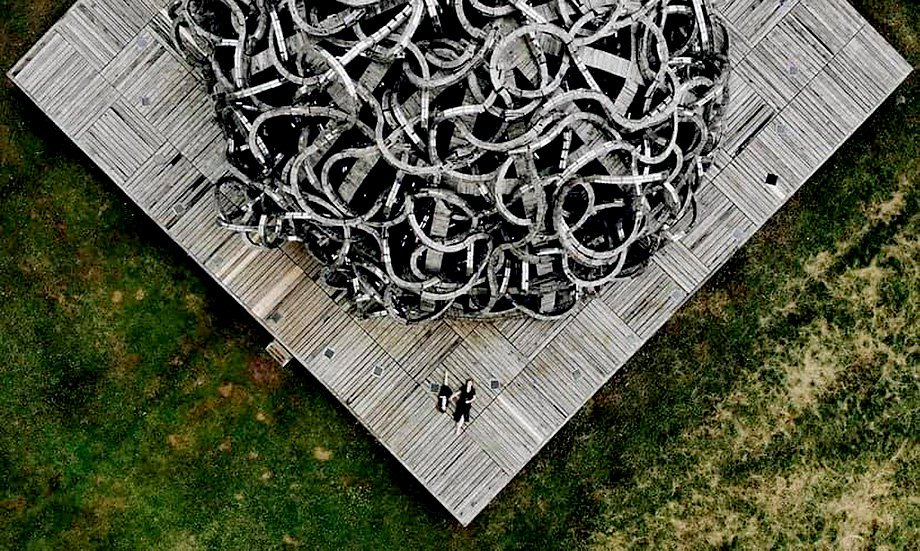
(807, 73)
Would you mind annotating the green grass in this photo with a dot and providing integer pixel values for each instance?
(779, 408)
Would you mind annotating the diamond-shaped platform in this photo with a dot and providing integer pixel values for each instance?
(806, 74)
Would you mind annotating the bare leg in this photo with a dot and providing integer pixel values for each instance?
(459, 426)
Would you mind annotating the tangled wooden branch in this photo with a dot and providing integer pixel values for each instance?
(462, 157)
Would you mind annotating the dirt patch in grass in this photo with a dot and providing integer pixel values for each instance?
(203, 409)
(225, 390)
(265, 373)
(862, 508)
(179, 442)
(194, 304)
(322, 454)
(813, 367)
(16, 504)
(711, 303)
(90, 272)
(108, 504)
(887, 211)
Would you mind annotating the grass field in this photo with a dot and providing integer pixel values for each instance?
(779, 408)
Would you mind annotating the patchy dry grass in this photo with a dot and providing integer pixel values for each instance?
(321, 454)
(763, 477)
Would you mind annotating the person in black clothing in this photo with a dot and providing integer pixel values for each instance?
(465, 398)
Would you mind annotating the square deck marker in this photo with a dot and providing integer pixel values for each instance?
(738, 235)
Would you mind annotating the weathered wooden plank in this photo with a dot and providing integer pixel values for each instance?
(833, 22)
(473, 502)
(299, 254)
(151, 78)
(748, 114)
(191, 126)
(335, 331)
(722, 228)
(549, 374)
(160, 27)
(121, 19)
(600, 339)
(120, 141)
(503, 431)
(199, 234)
(376, 373)
(211, 160)
(646, 302)
(740, 46)
(303, 309)
(63, 84)
(753, 19)
(563, 378)
(486, 355)
(868, 69)
(683, 266)
(786, 59)
(88, 33)
(468, 481)
(36, 67)
(280, 287)
(419, 349)
(464, 327)
(778, 150)
(253, 266)
(529, 336)
(167, 185)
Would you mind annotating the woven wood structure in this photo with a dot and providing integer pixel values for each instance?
(459, 158)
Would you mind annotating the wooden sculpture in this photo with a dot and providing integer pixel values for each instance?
(470, 158)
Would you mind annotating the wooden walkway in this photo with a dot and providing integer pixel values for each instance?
(807, 73)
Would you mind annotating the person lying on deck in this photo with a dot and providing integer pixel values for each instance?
(444, 395)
